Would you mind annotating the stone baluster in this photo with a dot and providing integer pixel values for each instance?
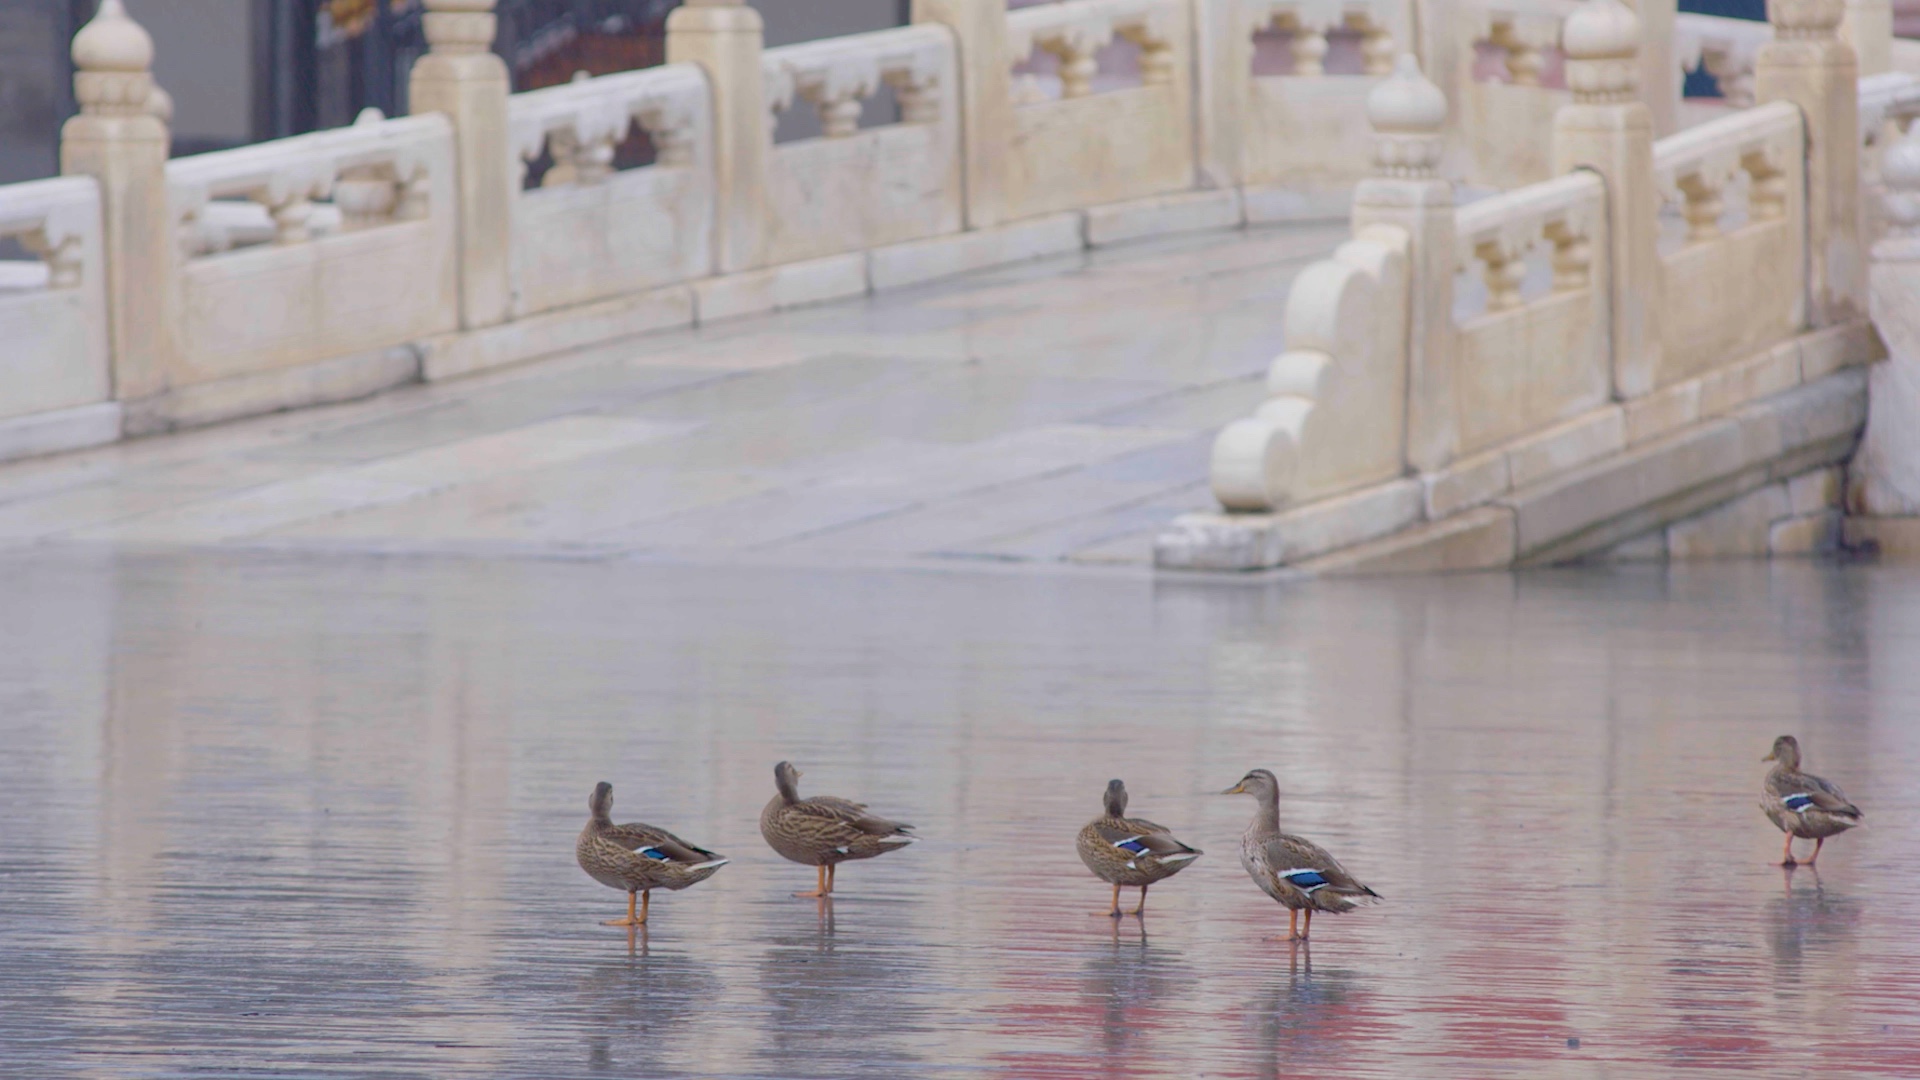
(1702, 205)
(1733, 74)
(725, 37)
(1409, 115)
(119, 139)
(461, 77)
(1504, 270)
(1309, 48)
(1572, 257)
(1156, 54)
(1524, 59)
(1377, 48)
(919, 98)
(365, 194)
(1807, 64)
(1886, 471)
(986, 98)
(1609, 129)
(1077, 48)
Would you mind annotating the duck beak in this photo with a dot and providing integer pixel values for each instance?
(1771, 757)
(1237, 789)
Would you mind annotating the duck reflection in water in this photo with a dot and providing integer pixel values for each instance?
(1309, 1016)
(642, 1005)
(823, 980)
(1807, 920)
(1135, 988)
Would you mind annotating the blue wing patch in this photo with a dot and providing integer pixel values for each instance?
(1133, 845)
(654, 853)
(1305, 879)
(1799, 802)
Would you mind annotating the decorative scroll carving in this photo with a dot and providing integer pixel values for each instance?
(1695, 168)
(1076, 31)
(579, 124)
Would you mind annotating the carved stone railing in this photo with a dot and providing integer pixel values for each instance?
(1524, 362)
(1504, 108)
(1736, 187)
(1889, 103)
(855, 188)
(590, 230)
(53, 330)
(1725, 48)
(386, 274)
(1296, 106)
(1090, 145)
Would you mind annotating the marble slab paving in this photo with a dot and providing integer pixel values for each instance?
(1054, 412)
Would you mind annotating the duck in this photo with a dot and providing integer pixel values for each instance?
(638, 858)
(1130, 852)
(1293, 870)
(1802, 804)
(825, 831)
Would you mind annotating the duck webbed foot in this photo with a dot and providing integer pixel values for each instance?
(821, 888)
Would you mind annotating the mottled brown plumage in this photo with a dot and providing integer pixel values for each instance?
(1295, 871)
(824, 831)
(1802, 804)
(635, 857)
(1130, 852)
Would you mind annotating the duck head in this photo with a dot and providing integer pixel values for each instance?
(1786, 751)
(1116, 799)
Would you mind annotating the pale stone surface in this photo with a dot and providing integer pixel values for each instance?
(1808, 534)
(1827, 350)
(1732, 386)
(462, 79)
(1480, 539)
(776, 288)
(273, 390)
(1739, 528)
(57, 430)
(1662, 411)
(1097, 146)
(1651, 547)
(1039, 412)
(854, 189)
(1194, 211)
(1216, 541)
(986, 103)
(1820, 415)
(944, 256)
(1815, 491)
(1334, 419)
(588, 233)
(557, 332)
(53, 321)
(1263, 205)
(1576, 442)
(725, 40)
(1466, 483)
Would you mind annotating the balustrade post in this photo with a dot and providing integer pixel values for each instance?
(1868, 27)
(461, 77)
(1409, 116)
(1659, 67)
(986, 98)
(726, 38)
(1608, 129)
(1807, 64)
(120, 139)
(1886, 472)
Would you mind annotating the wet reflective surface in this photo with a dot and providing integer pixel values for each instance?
(267, 815)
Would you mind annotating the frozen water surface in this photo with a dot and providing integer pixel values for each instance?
(274, 815)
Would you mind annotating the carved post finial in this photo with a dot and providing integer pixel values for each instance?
(1806, 20)
(113, 63)
(460, 26)
(1409, 116)
(1602, 45)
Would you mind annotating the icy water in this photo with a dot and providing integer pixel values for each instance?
(270, 816)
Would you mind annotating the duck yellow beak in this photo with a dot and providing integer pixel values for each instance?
(1771, 757)
(1237, 789)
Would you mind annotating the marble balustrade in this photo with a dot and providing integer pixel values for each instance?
(53, 332)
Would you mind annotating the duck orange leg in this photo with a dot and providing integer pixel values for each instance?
(820, 885)
(1113, 910)
(831, 867)
(1308, 928)
(632, 919)
(646, 896)
(1818, 843)
(1786, 857)
(1142, 909)
(1293, 924)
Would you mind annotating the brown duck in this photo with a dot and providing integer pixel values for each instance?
(1292, 869)
(1130, 852)
(1802, 804)
(824, 831)
(638, 858)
